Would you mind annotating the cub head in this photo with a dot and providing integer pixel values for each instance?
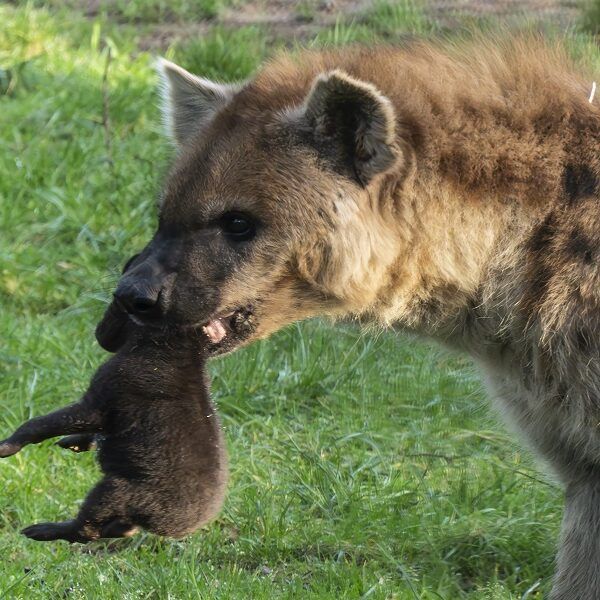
(271, 212)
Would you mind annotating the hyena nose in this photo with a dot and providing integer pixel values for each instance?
(141, 301)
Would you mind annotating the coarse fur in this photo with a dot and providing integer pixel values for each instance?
(159, 441)
(447, 190)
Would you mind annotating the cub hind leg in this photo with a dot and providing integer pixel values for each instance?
(72, 531)
(104, 514)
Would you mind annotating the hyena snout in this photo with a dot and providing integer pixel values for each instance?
(144, 291)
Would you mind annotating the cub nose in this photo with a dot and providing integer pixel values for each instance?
(140, 301)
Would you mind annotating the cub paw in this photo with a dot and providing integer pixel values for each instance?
(8, 448)
(47, 532)
(43, 532)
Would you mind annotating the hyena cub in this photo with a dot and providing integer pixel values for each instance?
(160, 444)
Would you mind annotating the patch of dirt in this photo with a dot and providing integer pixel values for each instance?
(160, 37)
(300, 20)
(288, 20)
(288, 12)
(452, 13)
(323, 13)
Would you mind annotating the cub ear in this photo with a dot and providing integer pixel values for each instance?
(189, 102)
(112, 330)
(357, 119)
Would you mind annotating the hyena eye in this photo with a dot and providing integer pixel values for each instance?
(237, 226)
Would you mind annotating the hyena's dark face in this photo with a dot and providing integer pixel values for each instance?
(266, 217)
(224, 254)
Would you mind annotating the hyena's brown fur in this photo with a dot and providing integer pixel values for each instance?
(447, 190)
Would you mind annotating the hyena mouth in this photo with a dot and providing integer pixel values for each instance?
(228, 329)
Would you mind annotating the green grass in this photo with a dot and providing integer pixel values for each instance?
(144, 11)
(363, 466)
(590, 20)
(393, 18)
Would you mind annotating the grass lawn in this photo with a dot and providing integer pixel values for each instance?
(363, 466)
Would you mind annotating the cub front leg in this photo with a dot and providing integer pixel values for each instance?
(76, 418)
(79, 442)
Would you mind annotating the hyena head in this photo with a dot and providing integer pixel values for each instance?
(270, 213)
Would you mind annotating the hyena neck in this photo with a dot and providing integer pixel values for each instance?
(438, 282)
(485, 175)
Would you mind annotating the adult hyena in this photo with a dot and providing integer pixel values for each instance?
(449, 191)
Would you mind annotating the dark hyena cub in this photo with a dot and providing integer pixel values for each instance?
(160, 444)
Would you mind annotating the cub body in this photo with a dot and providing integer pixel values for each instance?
(160, 445)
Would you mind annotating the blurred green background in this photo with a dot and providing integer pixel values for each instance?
(364, 464)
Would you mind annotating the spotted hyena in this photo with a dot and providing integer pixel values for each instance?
(450, 191)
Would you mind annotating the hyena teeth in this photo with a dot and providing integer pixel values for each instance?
(215, 330)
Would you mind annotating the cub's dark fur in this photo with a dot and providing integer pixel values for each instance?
(160, 444)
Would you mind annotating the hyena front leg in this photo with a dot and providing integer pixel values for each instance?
(75, 418)
(578, 561)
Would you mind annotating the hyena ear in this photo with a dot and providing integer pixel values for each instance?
(357, 119)
(189, 102)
